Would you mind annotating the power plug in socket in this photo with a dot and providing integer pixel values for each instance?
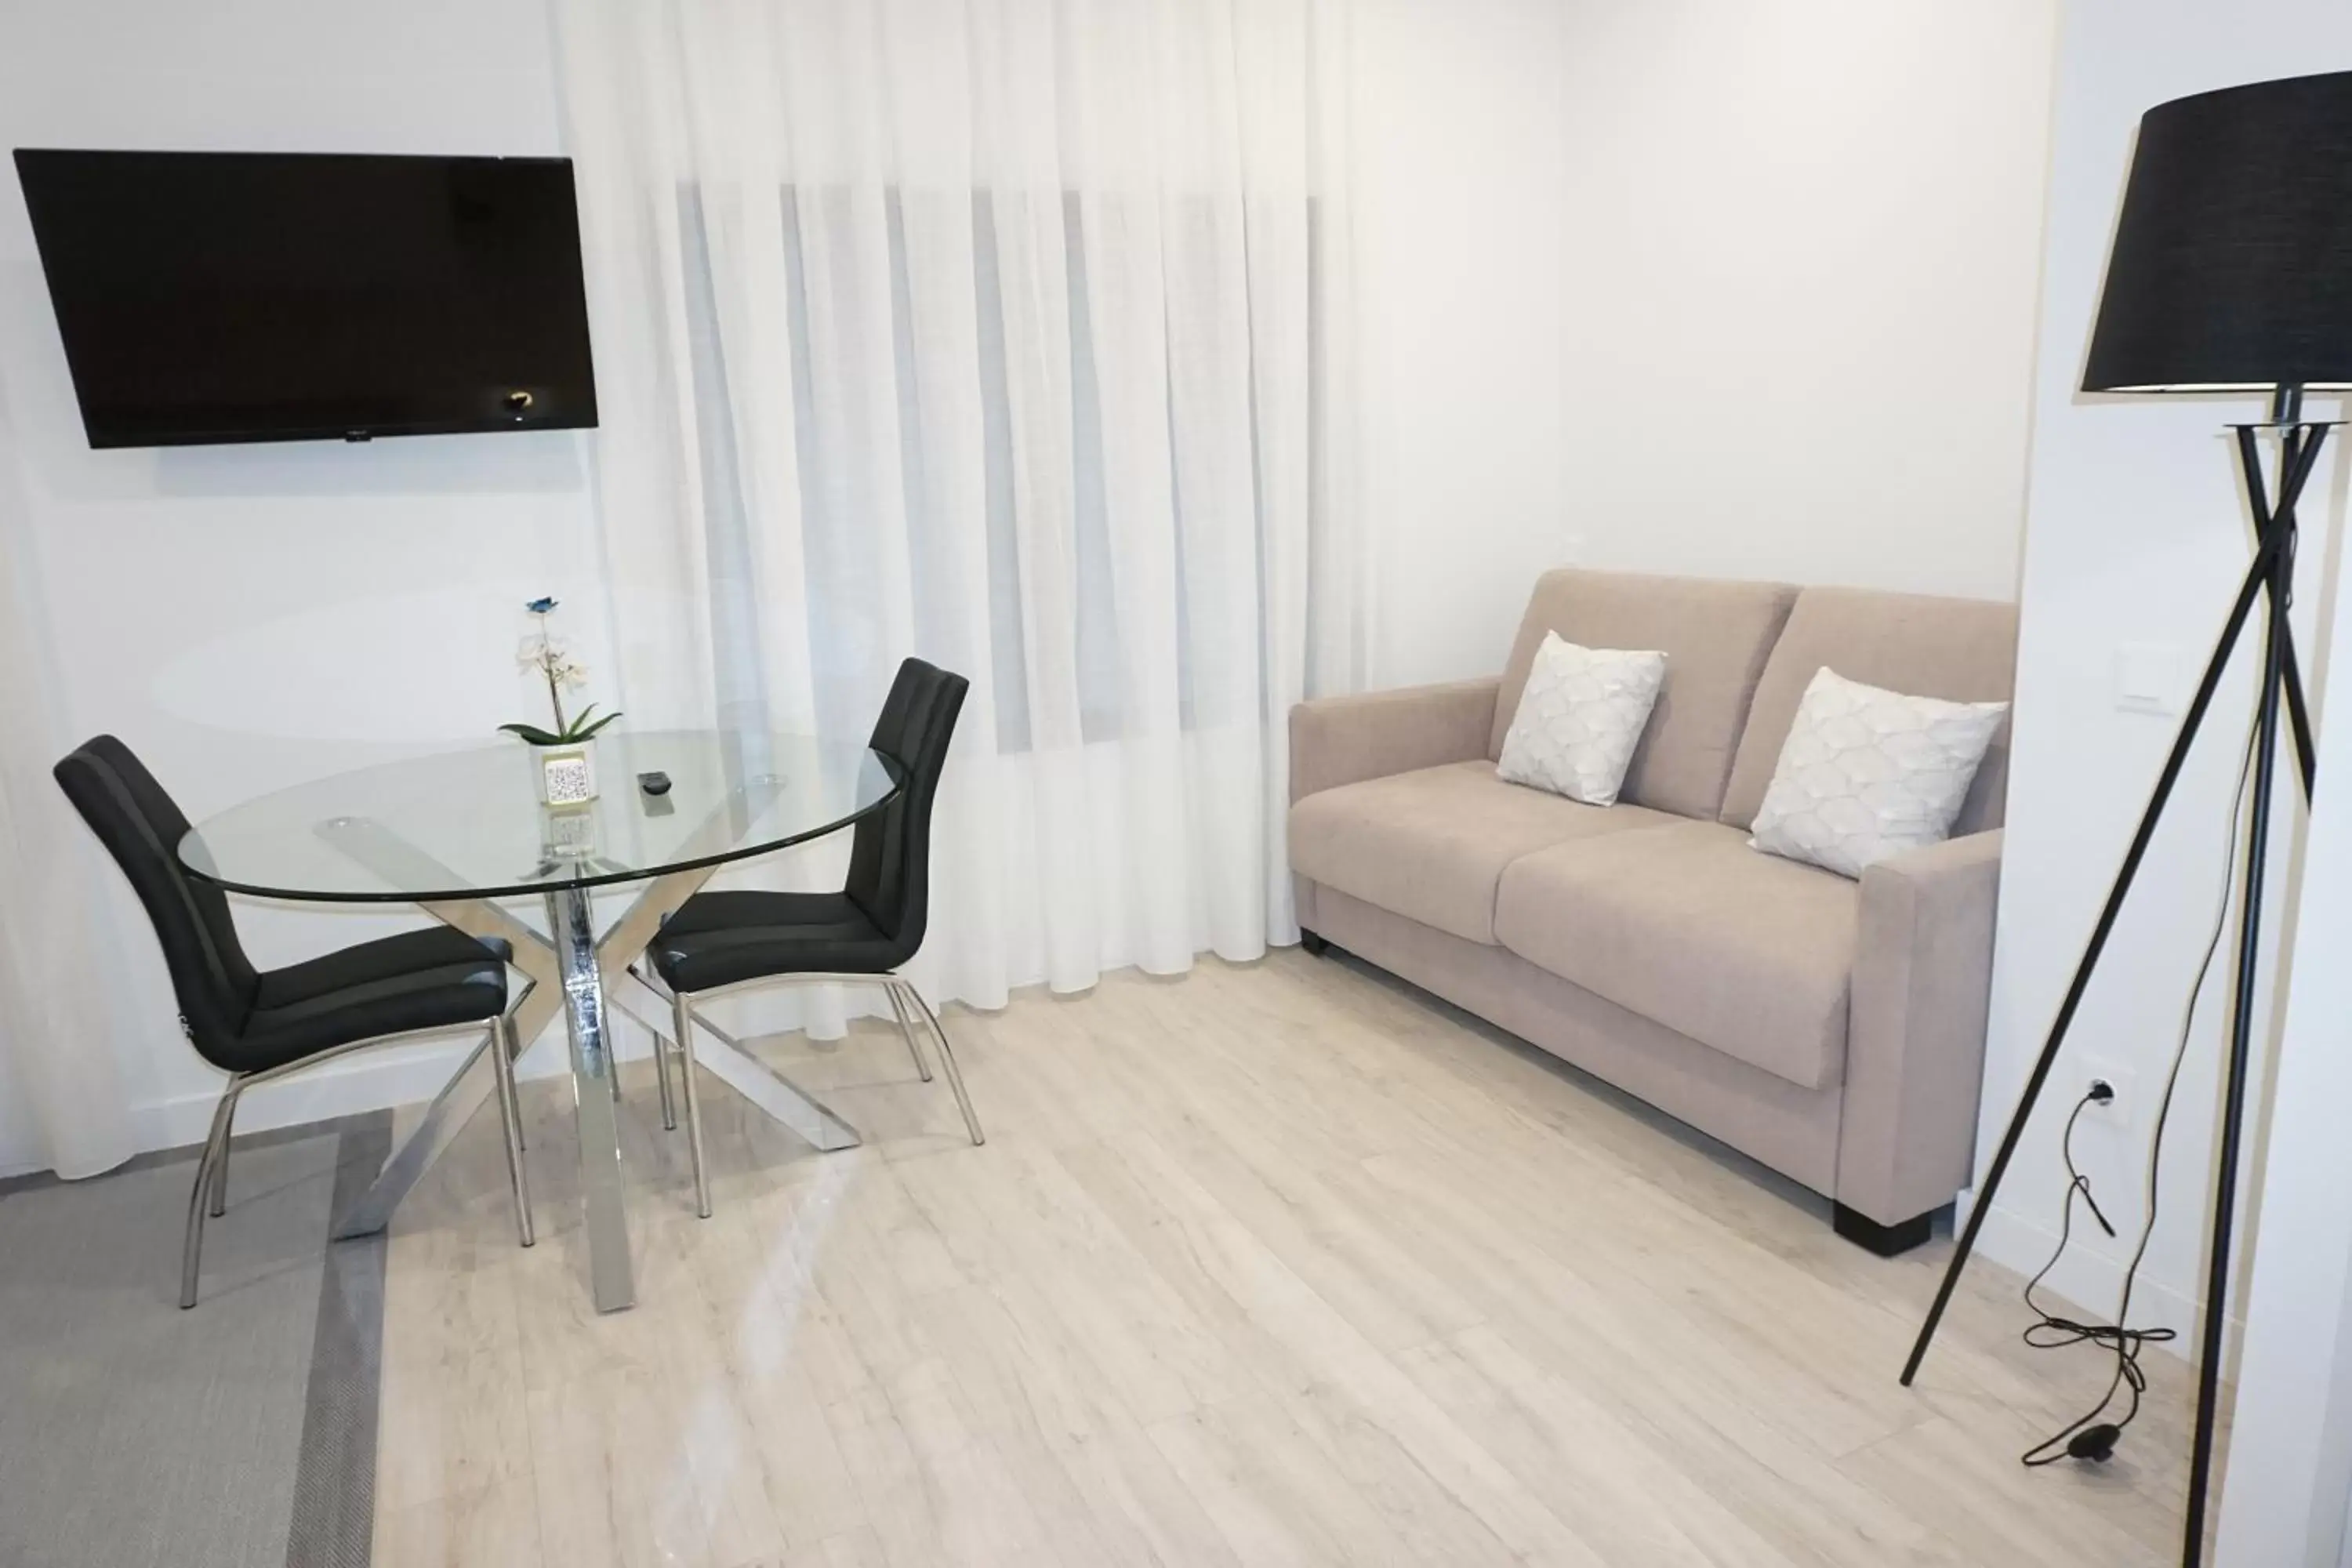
(2121, 1111)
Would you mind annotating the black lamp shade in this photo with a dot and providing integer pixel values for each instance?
(2232, 266)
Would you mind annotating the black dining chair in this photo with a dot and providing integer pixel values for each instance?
(860, 935)
(259, 1025)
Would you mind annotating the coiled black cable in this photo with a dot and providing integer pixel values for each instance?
(2091, 1435)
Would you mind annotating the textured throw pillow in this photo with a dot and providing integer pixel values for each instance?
(1867, 772)
(1580, 719)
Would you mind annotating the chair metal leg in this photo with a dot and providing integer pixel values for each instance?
(682, 1021)
(661, 1077)
(228, 1113)
(947, 1060)
(502, 1055)
(191, 1249)
(907, 1028)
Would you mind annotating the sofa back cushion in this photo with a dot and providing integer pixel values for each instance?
(1964, 651)
(1716, 636)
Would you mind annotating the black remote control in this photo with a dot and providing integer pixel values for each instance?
(654, 783)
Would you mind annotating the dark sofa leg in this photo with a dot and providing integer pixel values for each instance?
(1315, 945)
(1886, 1240)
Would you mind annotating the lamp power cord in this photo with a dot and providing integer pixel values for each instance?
(2093, 1435)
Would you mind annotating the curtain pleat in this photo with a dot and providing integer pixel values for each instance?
(1011, 334)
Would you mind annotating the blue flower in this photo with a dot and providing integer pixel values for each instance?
(540, 606)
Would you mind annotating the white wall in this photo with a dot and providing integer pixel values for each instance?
(1571, 351)
(1802, 243)
(2136, 535)
(1459, 248)
(1734, 291)
(2290, 1471)
(248, 616)
(17, 1132)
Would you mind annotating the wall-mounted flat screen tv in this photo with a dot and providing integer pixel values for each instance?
(209, 297)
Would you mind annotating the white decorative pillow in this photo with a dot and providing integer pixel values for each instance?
(1867, 772)
(1580, 719)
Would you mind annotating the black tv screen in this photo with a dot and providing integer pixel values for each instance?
(276, 296)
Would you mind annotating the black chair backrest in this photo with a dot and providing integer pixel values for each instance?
(141, 828)
(890, 861)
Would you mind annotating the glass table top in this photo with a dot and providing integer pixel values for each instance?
(469, 824)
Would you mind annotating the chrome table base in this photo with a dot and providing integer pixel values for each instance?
(596, 1100)
(589, 978)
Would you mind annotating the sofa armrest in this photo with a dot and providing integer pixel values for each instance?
(1338, 741)
(1915, 1039)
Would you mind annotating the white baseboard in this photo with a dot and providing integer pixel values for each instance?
(371, 1081)
(374, 1081)
(395, 1077)
(2095, 1281)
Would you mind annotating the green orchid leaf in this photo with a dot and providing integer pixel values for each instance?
(533, 734)
(572, 728)
(590, 731)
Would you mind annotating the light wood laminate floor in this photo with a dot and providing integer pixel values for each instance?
(1268, 1265)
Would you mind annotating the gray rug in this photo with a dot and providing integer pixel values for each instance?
(237, 1434)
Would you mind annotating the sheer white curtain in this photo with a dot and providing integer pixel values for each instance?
(64, 1108)
(1016, 335)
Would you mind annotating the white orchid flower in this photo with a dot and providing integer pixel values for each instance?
(553, 663)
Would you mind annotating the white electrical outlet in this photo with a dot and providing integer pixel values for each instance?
(2123, 1110)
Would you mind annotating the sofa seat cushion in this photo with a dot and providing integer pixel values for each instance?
(1432, 844)
(1689, 927)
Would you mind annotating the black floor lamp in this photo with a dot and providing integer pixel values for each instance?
(2232, 272)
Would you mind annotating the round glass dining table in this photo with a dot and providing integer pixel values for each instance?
(462, 834)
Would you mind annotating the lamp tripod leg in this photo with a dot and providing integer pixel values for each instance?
(2183, 743)
(2299, 445)
(2241, 1036)
(2272, 572)
(2307, 752)
(2281, 680)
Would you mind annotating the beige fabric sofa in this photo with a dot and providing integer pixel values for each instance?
(1832, 1029)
